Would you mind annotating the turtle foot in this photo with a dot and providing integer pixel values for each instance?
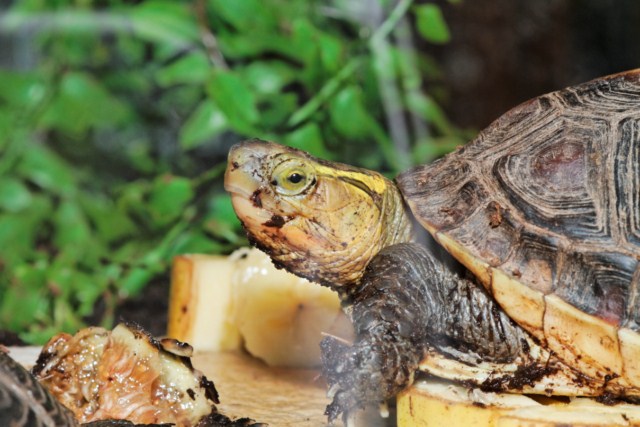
(343, 369)
(359, 376)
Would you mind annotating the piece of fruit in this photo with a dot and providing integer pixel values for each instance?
(200, 302)
(435, 402)
(125, 374)
(218, 303)
(281, 317)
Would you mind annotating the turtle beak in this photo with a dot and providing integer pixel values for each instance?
(245, 166)
(243, 179)
(249, 165)
(247, 180)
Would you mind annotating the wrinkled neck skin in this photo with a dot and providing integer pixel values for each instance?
(327, 233)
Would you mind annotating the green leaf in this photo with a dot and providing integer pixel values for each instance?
(111, 222)
(276, 109)
(350, 117)
(304, 39)
(431, 23)
(64, 316)
(81, 103)
(328, 90)
(348, 114)
(429, 110)
(81, 288)
(21, 90)
(204, 124)
(18, 231)
(19, 308)
(135, 281)
(331, 52)
(25, 300)
(308, 138)
(170, 24)
(139, 153)
(47, 170)
(132, 251)
(193, 68)
(131, 200)
(39, 334)
(194, 242)
(14, 195)
(72, 229)
(252, 16)
(268, 77)
(8, 118)
(168, 198)
(156, 258)
(221, 219)
(31, 277)
(235, 99)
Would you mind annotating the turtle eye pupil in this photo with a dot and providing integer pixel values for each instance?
(295, 178)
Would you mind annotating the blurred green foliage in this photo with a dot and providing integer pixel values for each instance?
(114, 134)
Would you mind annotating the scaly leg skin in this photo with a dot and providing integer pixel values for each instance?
(25, 402)
(406, 302)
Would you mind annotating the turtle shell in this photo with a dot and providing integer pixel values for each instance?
(544, 208)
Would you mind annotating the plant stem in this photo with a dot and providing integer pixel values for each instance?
(325, 93)
(383, 31)
(209, 175)
(333, 84)
(388, 84)
(209, 39)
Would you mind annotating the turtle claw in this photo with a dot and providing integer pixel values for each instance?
(354, 375)
(339, 405)
(335, 363)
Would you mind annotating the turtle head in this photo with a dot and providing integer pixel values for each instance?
(318, 219)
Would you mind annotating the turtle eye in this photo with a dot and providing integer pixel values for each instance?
(290, 177)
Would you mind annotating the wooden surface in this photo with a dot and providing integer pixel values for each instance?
(279, 397)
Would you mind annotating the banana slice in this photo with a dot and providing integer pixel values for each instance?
(200, 303)
(281, 317)
(435, 402)
(222, 303)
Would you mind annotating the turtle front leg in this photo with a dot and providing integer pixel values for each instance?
(406, 302)
(374, 369)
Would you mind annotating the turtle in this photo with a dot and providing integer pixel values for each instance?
(537, 289)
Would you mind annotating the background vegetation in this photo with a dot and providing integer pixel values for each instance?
(116, 116)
